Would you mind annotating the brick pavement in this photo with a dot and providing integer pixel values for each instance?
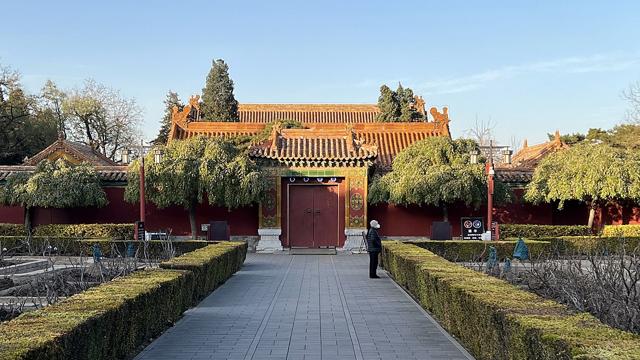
(305, 307)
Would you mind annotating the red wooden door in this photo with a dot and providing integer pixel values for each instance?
(301, 216)
(313, 216)
(325, 220)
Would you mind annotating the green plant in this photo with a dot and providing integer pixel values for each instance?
(473, 250)
(532, 231)
(112, 320)
(436, 171)
(621, 230)
(588, 172)
(12, 230)
(496, 320)
(211, 265)
(91, 231)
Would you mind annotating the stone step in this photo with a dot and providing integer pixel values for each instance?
(312, 251)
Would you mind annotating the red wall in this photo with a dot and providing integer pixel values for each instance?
(242, 221)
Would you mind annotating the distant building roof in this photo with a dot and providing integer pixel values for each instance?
(528, 157)
(71, 151)
(117, 173)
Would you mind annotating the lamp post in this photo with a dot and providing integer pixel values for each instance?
(125, 158)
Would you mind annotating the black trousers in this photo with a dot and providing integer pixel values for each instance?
(373, 262)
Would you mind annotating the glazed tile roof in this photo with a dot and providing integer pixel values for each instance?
(315, 147)
(76, 151)
(308, 113)
(530, 156)
(117, 173)
(514, 176)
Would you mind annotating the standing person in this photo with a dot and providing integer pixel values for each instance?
(374, 247)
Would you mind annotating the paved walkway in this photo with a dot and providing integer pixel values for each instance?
(305, 307)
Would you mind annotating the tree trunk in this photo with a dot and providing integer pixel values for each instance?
(192, 221)
(27, 220)
(592, 214)
(445, 213)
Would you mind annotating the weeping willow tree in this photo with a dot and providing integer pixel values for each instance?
(53, 185)
(436, 171)
(193, 168)
(588, 172)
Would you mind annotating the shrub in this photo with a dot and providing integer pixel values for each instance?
(12, 230)
(496, 320)
(542, 231)
(621, 231)
(591, 245)
(112, 320)
(19, 245)
(473, 250)
(90, 231)
(211, 265)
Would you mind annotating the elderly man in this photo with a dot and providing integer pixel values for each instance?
(374, 247)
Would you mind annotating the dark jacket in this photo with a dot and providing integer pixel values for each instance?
(373, 241)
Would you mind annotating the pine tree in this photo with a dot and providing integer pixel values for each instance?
(170, 101)
(218, 102)
(388, 105)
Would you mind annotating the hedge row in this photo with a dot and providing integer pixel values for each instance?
(592, 245)
(210, 269)
(12, 230)
(496, 320)
(112, 320)
(621, 230)
(18, 245)
(540, 231)
(89, 231)
(473, 250)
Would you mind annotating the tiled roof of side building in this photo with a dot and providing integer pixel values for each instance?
(113, 173)
(71, 150)
(528, 157)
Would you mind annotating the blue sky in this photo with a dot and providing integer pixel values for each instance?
(530, 67)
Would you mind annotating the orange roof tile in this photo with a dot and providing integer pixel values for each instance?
(321, 113)
(530, 156)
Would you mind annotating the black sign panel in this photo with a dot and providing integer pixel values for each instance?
(139, 230)
(472, 228)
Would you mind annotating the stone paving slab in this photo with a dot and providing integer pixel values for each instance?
(305, 307)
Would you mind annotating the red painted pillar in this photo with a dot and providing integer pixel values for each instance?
(490, 174)
(142, 210)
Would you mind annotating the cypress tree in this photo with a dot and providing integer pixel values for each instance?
(388, 105)
(170, 101)
(407, 104)
(218, 102)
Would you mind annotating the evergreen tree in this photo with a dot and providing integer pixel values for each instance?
(170, 101)
(407, 104)
(388, 105)
(397, 106)
(218, 102)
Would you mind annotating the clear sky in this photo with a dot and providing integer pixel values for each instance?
(530, 67)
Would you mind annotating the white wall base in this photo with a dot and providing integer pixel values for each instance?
(269, 240)
(354, 240)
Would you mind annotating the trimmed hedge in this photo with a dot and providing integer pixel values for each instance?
(88, 231)
(621, 230)
(12, 230)
(591, 245)
(209, 266)
(542, 231)
(17, 245)
(107, 231)
(474, 250)
(112, 320)
(496, 320)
